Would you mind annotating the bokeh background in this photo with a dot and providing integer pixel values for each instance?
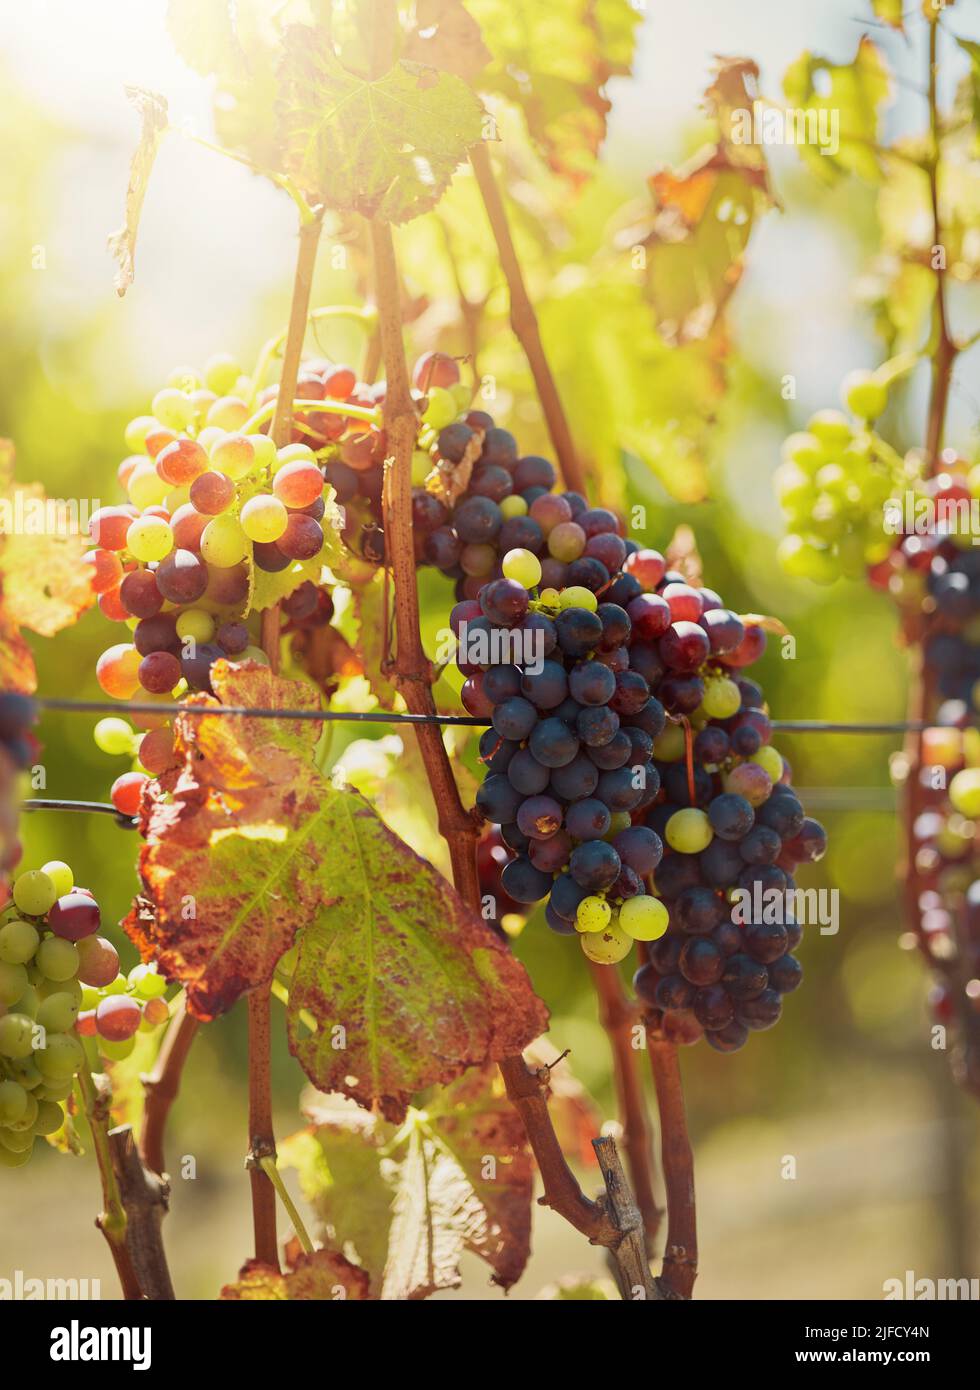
(887, 1176)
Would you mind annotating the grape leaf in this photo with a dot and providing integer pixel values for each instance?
(850, 95)
(325, 1276)
(205, 35)
(456, 1176)
(553, 62)
(445, 36)
(255, 849)
(386, 148)
(152, 109)
(972, 51)
(43, 584)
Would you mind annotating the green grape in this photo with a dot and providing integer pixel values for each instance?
(149, 538)
(60, 1057)
(184, 379)
(669, 746)
(34, 893)
(58, 958)
(593, 914)
(136, 432)
(803, 449)
(608, 946)
(120, 985)
(619, 820)
(864, 395)
(513, 506)
(770, 761)
(16, 1141)
(90, 998)
(114, 736)
(523, 566)
(263, 518)
(722, 698)
(172, 408)
(25, 1120)
(441, 409)
(689, 831)
(24, 1070)
(830, 427)
(13, 1102)
(461, 394)
(196, 624)
(18, 942)
(291, 453)
(221, 373)
(58, 1013)
(421, 467)
(117, 1051)
(964, 793)
(60, 875)
(576, 596)
(223, 542)
(54, 1090)
(50, 1117)
(145, 487)
(16, 1035)
(29, 1002)
(13, 982)
(794, 488)
(146, 983)
(266, 454)
(10, 1159)
(644, 918)
(805, 559)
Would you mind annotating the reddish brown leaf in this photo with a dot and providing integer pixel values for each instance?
(323, 1276)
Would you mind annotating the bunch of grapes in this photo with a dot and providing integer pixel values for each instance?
(59, 982)
(587, 656)
(834, 484)
(17, 751)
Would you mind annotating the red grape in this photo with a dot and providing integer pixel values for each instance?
(126, 792)
(74, 916)
(117, 1017)
(105, 568)
(109, 526)
(139, 594)
(159, 672)
(212, 493)
(181, 462)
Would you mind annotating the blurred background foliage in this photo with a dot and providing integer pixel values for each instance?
(886, 1175)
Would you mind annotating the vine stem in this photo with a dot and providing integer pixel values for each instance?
(112, 1220)
(524, 322)
(618, 1016)
(680, 1263)
(526, 1089)
(944, 349)
(262, 1140)
(162, 1084)
(272, 1172)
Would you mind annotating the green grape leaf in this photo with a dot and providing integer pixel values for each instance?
(847, 98)
(972, 51)
(553, 62)
(325, 1276)
(456, 1176)
(445, 36)
(204, 34)
(44, 587)
(387, 148)
(253, 849)
(890, 13)
(152, 109)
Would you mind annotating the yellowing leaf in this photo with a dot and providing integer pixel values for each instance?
(457, 1176)
(152, 109)
(255, 849)
(386, 148)
(324, 1276)
(890, 12)
(849, 96)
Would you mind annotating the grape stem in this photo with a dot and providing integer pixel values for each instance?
(272, 1172)
(525, 323)
(112, 1220)
(526, 1089)
(366, 316)
(618, 1016)
(680, 1262)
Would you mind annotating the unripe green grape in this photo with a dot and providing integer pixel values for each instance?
(577, 596)
(117, 1051)
(16, 1035)
(830, 427)
(606, 947)
(48, 987)
(145, 487)
(119, 985)
(722, 698)
(60, 1057)
(644, 918)
(524, 567)
(221, 372)
(228, 413)
(24, 1070)
(254, 654)
(593, 914)
(619, 820)
(803, 559)
(263, 518)
(172, 408)
(514, 505)
(54, 1090)
(60, 875)
(18, 942)
(770, 761)
(669, 745)
(149, 538)
(794, 488)
(421, 467)
(196, 624)
(58, 958)
(803, 449)
(266, 453)
(58, 1012)
(114, 736)
(13, 982)
(441, 409)
(17, 1141)
(136, 431)
(291, 453)
(550, 599)
(964, 792)
(13, 1102)
(34, 893)
(223, 542)
(50, 1117)
(689, 831)
(10, 1159)
(462, 394)
(864, 395)
(90, 998)
(25, 1122)
(146, 983)
(29, 1002)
